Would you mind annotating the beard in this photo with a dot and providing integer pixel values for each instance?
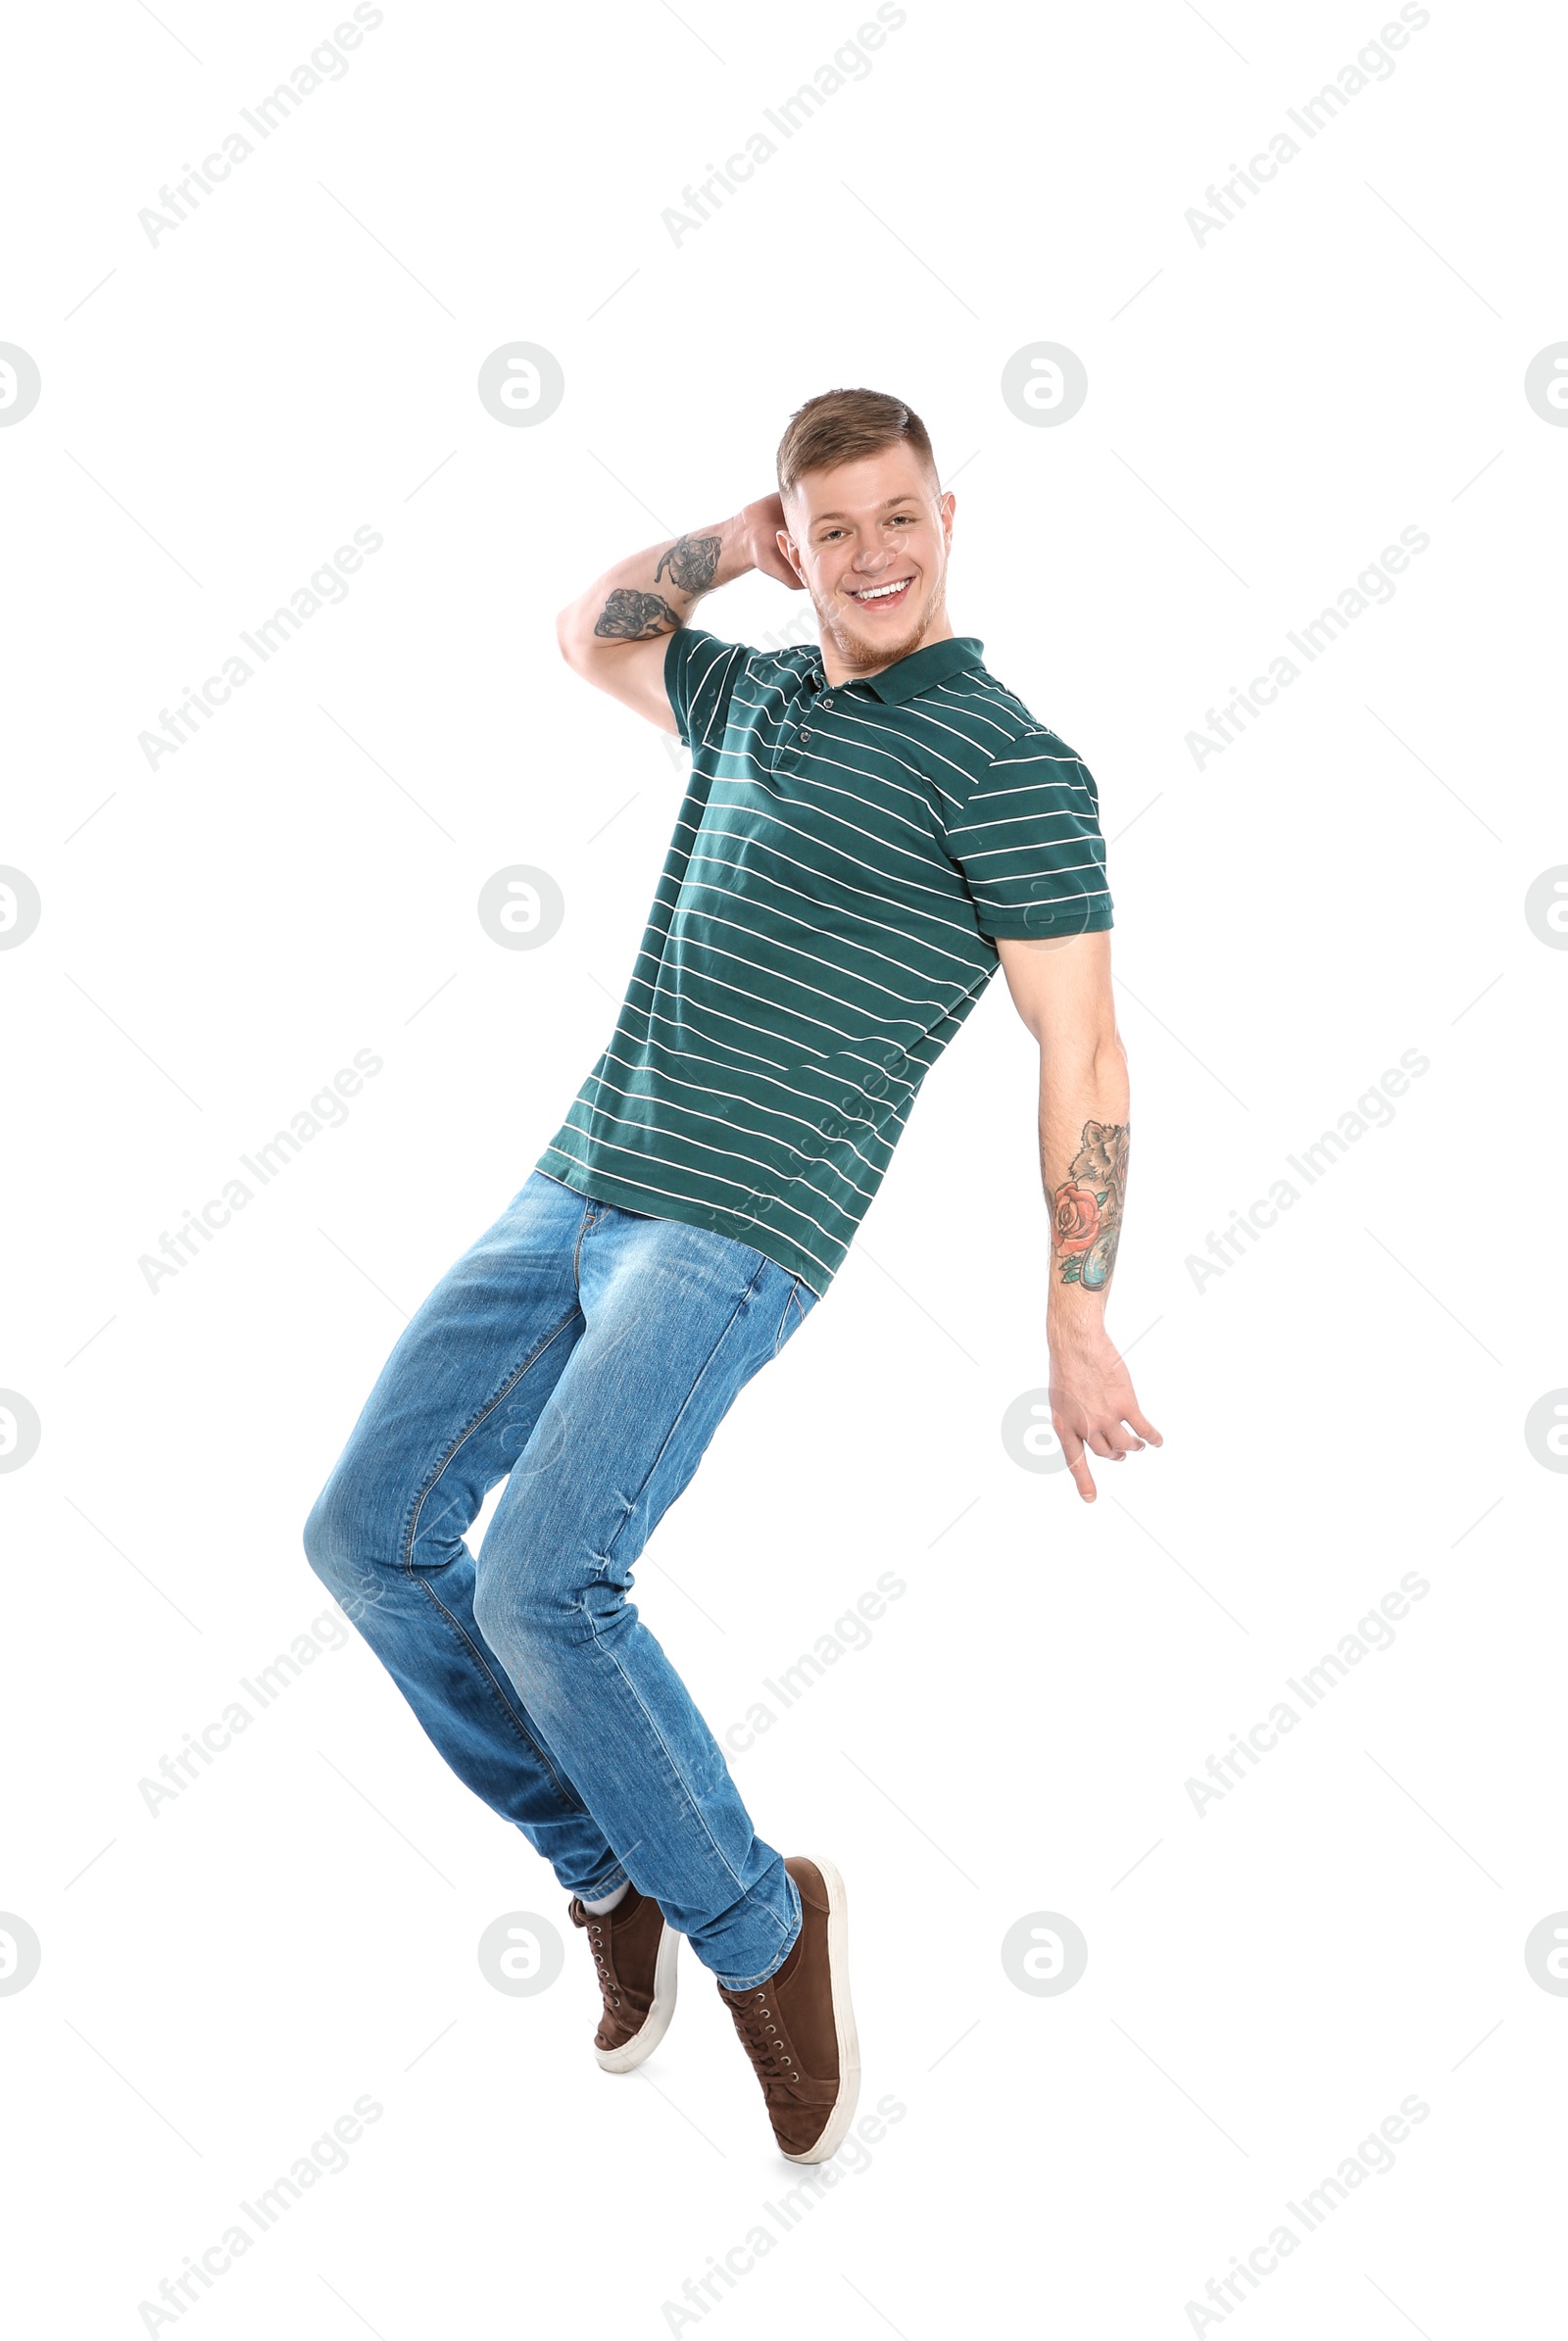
(859, 650)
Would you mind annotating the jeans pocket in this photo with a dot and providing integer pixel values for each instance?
(798, 1301)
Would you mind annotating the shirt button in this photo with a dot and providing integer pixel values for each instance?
(827, 703)
(805, 731)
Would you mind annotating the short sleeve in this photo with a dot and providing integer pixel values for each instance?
(700, 673)
(1028, 843)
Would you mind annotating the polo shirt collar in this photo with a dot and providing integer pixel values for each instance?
(908, 677)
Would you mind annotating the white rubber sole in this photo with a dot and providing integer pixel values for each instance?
(838, 1970)
(639, 2049)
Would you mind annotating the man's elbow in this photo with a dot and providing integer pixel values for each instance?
(570, 636)
(1092, 1050)
(1108, 1045)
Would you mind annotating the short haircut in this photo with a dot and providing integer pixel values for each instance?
(843, 427)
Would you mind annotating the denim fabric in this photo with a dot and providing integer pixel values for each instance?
(585, 1355)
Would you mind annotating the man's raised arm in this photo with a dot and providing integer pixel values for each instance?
(614, 635)
(1061, 989)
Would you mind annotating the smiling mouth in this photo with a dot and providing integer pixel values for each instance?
(884, 596)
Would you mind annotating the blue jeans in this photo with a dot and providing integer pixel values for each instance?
(585, 1355)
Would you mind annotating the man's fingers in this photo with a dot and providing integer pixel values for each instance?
(1114, 1436)
(1072, 1446)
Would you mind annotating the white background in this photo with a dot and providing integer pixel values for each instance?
(1268, 409)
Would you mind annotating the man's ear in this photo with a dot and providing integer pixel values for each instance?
(791, 551)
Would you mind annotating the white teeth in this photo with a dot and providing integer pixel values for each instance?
(875, 593)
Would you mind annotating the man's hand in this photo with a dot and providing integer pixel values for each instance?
(761, 526)
(1093, 1405)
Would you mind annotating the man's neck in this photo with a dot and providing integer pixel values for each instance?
(838, 669)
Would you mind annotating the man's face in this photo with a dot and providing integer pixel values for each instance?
(869, 543)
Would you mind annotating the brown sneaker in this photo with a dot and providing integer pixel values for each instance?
(635, 1953)
(799, 2028)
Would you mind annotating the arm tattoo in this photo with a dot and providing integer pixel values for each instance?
(692, 560)
(1087, 1207)
(630, 617)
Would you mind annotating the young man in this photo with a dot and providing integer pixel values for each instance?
(870, 828)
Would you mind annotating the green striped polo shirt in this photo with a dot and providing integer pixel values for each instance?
(845, 859)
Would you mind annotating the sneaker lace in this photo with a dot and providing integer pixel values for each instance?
(608, 1981)
(765, 2039)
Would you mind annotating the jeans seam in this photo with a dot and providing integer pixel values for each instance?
(749, 1982)
(668, 1755)
(468, 1428)
(619, 1876)
(479, 1653)
(604, 1560)
(570, 1798)
(576, 1249)
(792, 1299)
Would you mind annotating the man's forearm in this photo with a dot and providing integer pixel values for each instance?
(1083, 1165)
(655, 591)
